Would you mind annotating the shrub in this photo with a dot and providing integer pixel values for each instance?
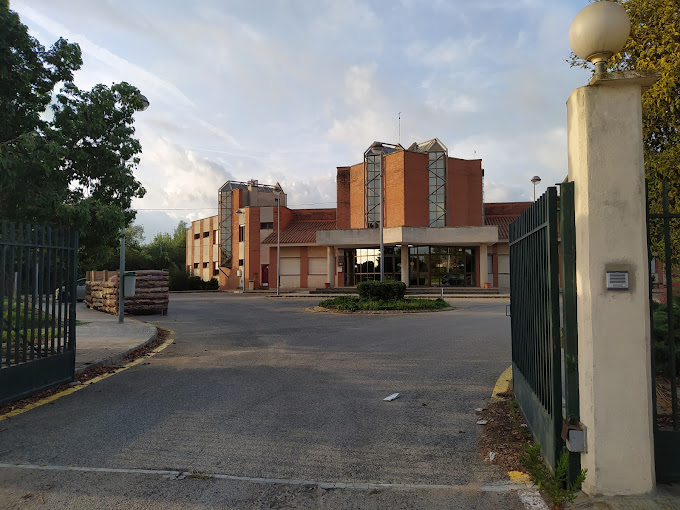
(182, 280)
(195, 283)
(382, 291)
(179, 279)
(559, 490)
(213, 284)
(353, 304)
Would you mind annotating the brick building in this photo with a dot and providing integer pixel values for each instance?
(436, 228)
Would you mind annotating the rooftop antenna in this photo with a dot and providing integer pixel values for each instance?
(399, 133)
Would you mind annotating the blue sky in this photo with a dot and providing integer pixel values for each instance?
(289, 90)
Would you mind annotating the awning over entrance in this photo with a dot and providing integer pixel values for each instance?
(443, 236)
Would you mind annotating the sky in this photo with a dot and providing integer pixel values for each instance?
(288, 90)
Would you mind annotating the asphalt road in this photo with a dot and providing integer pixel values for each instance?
(268, 405)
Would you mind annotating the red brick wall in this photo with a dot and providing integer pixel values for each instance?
(343, 197)
(273, 275)
(252, 245)
(313, 215)
(465, 192)
(394, 189)
(356, 193)
(304, 267)
(416, 190)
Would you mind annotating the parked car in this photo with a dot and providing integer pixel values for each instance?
(80, 290)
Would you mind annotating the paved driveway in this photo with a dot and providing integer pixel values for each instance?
(265, 396)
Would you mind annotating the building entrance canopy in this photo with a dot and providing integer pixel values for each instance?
(442, 236)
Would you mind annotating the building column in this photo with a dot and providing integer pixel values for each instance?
(483, 265)
(330, 254)
(604, 122)
(404, 264)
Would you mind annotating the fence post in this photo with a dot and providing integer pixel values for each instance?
(614, 363)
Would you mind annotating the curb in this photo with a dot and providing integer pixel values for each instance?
(503, 384)
(114, 359)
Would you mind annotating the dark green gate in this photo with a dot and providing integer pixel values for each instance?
(37, 308)
(539, 317)
(665, 318)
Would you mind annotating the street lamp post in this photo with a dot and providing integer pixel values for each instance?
(535, 179)
(382, 243)
(277, 191)
(121, 276)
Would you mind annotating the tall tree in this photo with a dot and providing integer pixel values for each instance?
(654, 45)
(67, 158)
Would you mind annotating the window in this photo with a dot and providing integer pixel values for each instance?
(216, 269)
(240, 262)
(225, 226)
(206, 234)
(437, 188)
(205, 264)
(197, 236)
(266, 225)
(215, 236)
(373, 163)
(241, 233)
(363, 264)
(195, 265)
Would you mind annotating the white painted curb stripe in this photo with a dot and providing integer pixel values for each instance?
(499, 487)
(532, 500)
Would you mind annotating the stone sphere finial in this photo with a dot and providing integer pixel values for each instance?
(598, 31)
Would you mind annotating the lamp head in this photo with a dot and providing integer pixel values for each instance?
(598, 31)
(145, 102)
(535, 179)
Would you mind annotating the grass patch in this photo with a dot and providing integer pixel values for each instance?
(355, 304)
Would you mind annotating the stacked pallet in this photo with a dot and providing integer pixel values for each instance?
(94, 288)
(152, 292)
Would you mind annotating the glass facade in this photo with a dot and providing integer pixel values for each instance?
(373, 164)
(225, 226)
(437, 190)
(442, 265)
(428, 265)
(363, 264)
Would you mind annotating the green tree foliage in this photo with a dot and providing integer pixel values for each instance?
(654, 45)
(165, 251)
(66, 158)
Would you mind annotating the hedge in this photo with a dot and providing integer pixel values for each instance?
(382, 291)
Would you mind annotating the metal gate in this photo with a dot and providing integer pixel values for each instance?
(38, 268)
(548, 400)
(665, 315)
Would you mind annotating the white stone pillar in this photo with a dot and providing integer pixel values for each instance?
(607, 168)
(404, 264)
(330, 255)
(483, 265)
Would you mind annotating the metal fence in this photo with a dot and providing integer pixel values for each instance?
(38, 268)
(665, 315)
(535, 316)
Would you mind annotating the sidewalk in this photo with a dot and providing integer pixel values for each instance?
(101, 340)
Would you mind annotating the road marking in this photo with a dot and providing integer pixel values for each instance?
(180, 475)
(532, 500)
(94, 380)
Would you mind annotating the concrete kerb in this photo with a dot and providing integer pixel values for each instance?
(115, 359)
(503, 384)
